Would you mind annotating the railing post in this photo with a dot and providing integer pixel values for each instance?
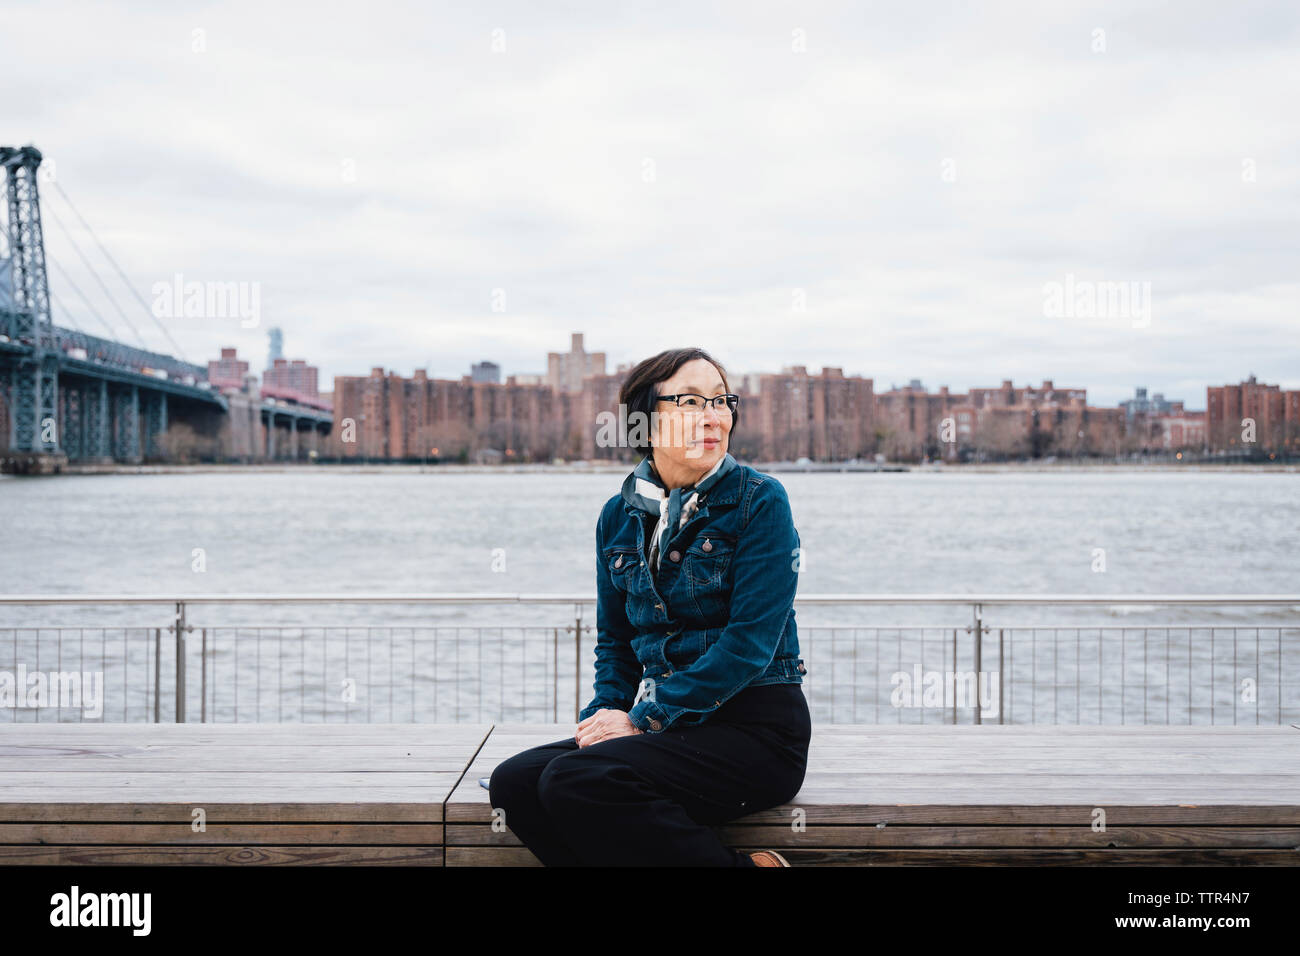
(1001, 677)
(180, 662)
(157, 675)
(954, 670)
(577, 661)
(978, 648)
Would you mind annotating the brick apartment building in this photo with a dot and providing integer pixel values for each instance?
(386, 416)
(1275, 414)
(1005, 421)
(296, 378)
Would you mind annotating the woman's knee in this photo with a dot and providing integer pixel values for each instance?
(512, 777)
(572, 775)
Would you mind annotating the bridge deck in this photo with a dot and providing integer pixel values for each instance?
(408, 794)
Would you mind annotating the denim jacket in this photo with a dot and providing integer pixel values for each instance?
(720, 616)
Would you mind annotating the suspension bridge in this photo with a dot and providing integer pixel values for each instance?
(69, 396)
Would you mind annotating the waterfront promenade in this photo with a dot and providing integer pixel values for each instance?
(408, 795)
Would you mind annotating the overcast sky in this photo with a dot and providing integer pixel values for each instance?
(888, 188)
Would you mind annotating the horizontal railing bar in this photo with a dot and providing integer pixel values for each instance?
(164, 625)
(568, 626)
(587, 599)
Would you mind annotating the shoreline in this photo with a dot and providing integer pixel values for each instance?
(619, 468)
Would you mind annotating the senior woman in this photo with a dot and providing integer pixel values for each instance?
(696, 569)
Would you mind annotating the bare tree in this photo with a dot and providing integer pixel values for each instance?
(182, 445)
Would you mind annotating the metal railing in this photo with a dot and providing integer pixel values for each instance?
(988, 670)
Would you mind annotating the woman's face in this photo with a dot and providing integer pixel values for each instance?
(687, 440)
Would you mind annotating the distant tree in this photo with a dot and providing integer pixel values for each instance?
(182, 445)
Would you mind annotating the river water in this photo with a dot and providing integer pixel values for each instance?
(407, 531)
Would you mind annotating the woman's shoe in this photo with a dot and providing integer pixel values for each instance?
(768, 858)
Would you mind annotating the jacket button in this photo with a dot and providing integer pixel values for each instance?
(654, 725)
(707, 546)
(619, 562)
(674, 556)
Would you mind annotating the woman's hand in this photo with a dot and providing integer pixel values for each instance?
(605, 725)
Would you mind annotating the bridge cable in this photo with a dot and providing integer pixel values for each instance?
(77, 289)
(122, 275)
(95, 274)
(67, 313)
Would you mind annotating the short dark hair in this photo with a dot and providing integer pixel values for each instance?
(638, 392)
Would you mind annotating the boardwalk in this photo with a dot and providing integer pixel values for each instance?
(408, 794)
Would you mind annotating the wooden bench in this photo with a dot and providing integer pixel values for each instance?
(408, 794)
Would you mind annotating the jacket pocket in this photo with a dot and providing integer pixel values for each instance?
(706, 560)
(619, 561)
(705, 572)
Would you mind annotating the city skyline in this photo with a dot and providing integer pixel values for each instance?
(1196, 402)
(573, 411)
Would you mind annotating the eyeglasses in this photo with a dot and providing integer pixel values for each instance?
(692, 402)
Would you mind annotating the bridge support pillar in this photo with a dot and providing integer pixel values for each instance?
(128, 425)
(35, 411)
(155, 423)
(270, 435)
(97, 429)
(72, 403)
(7, 379)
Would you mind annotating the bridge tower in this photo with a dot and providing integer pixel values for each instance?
(35, 380)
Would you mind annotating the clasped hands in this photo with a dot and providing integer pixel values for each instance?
(605, 725)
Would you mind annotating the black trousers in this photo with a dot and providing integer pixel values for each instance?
(652, 799)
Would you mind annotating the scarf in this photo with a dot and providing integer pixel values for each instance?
(644, 490)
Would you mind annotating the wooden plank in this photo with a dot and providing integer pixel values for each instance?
(904, 790)
(1038, 857)
(250, 761)
(487, 856)
(47, 750)
(941, 836)
(55, 783)
(873, 814)
(292, 807)
(246, 735)
(1014, 836)
(180, 833)
(455, 730)
(1044, 733)
(520, 856)
(1034, 781)
(221, 856)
